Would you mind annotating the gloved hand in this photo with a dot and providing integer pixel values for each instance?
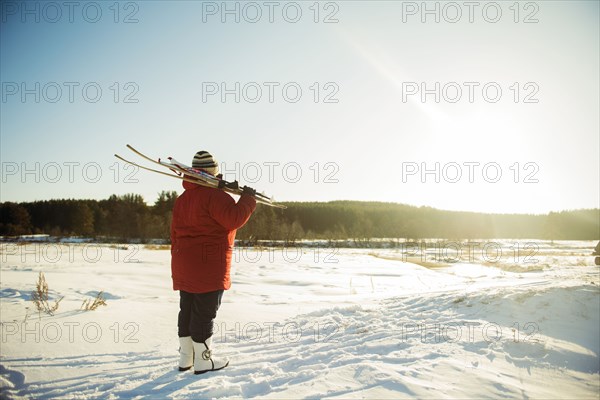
(249, 191)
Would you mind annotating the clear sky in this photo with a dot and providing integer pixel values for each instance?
(517, 87)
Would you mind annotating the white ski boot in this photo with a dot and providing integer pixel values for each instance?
(186, 353)
(203, 359)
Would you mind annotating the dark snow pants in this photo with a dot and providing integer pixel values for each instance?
(197, 312)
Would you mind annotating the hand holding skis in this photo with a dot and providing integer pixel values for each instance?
(249, 191)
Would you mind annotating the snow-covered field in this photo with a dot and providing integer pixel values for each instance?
(351, 323)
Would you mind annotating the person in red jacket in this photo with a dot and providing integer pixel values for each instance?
(203, 229)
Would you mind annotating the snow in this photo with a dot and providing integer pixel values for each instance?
(46, 238)
(309, 322)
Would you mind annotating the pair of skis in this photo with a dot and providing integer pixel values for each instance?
(199, 177)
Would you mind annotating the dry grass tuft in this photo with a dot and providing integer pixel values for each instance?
(89, 305)
(40, 296)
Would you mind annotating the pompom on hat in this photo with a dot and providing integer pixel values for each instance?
(204, 160)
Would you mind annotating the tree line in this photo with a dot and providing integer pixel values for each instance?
(128, 217)
(120, 217)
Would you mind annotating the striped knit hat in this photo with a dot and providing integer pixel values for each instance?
(204, 160)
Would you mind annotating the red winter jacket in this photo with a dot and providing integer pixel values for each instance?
(203, 229)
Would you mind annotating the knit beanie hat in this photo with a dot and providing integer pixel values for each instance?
(204, 160)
